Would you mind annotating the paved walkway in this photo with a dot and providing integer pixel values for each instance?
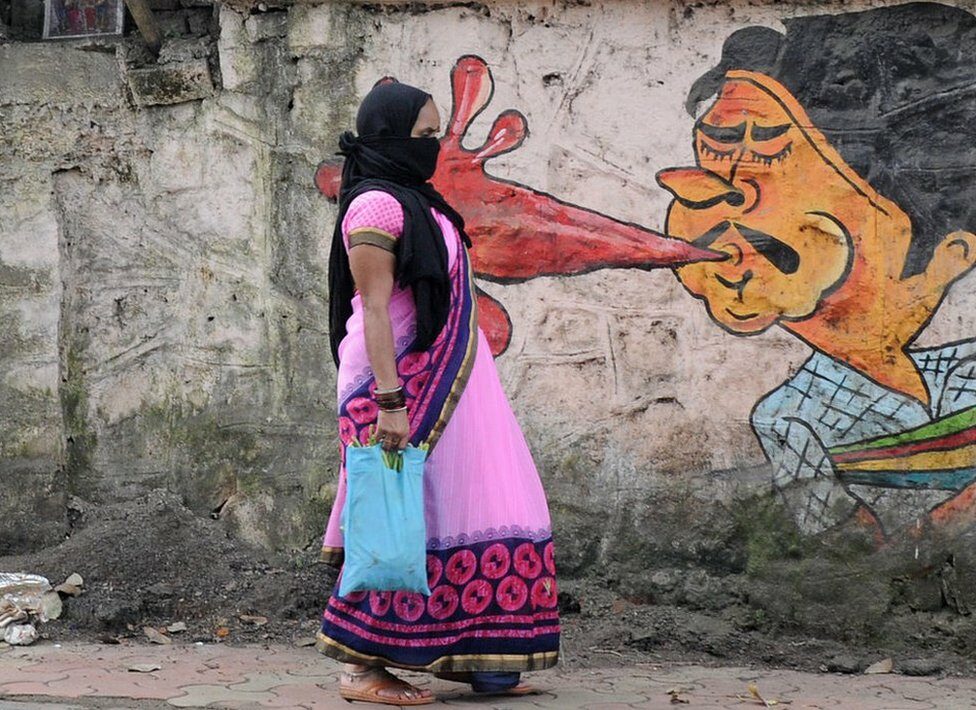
(76, 676)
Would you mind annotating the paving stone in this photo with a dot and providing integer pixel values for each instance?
(201, 696)
(306, 695)
(284, 677)
(260, 682)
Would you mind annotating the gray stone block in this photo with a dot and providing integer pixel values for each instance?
(171, 84)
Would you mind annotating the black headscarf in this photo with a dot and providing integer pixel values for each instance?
(385, 157)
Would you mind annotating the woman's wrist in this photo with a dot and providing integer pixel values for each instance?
(390, 400)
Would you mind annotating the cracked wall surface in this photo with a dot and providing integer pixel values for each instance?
(164, 302)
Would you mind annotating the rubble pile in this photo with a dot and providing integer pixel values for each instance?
(27, 600)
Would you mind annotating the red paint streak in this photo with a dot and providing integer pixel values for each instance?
(494, 321)
(518, 233)
(961, 508)
(942, 443)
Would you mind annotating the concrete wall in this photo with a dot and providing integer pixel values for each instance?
(162, 263)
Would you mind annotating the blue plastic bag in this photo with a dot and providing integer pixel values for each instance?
(385, 535)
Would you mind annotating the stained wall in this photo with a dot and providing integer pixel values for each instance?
(163, 261)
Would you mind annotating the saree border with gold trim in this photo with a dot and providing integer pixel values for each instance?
(493, 607)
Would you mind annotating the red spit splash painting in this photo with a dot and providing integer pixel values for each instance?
(519, 233)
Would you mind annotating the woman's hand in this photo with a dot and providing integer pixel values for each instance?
(393, 430)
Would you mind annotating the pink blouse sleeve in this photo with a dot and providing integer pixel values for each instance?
(375, 218)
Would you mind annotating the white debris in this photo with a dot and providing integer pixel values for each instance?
(10, 613)
(20, 634)
(72, 586)
(24, 590)
(24, 600)
(49, 607)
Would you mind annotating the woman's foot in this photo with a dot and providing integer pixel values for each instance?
(378, 685)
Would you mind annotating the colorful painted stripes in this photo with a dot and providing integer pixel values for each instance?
(939, 454)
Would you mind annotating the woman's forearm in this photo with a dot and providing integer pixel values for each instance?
(379, 345)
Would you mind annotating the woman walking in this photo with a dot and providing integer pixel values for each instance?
(415, 368)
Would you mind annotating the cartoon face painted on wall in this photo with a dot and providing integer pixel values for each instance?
(836, 166)
(799, 223)
(752, 196)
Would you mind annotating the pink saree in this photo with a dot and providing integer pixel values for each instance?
(489, 550)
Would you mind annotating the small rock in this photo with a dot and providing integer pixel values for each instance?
(155, 636)
(665, 580)
(177, 628)
(883, 666)
(72, 586)
(253, 619)
(919, 667)
(144, 668)
(844, 663)
(49, 607)
(305, 642)
(115, 614)
(20, 634)
(161, 589)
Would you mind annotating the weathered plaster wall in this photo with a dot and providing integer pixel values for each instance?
(163, 294)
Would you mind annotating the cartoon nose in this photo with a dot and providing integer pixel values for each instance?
(699, 189)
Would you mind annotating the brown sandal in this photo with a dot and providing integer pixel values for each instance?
(384, 680)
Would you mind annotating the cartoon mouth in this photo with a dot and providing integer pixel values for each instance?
(737, 316)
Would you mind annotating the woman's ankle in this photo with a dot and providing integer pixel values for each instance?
(355, 668)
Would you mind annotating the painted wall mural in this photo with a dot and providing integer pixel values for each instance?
(837, 168)
(833, 195)
(519, 233)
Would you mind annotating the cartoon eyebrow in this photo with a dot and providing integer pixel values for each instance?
(724, 134)
(705, 240)
(781, 255)
(767, 133)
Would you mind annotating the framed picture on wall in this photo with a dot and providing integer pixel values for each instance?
(64, 19)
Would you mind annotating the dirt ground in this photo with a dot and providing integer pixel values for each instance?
(153, 563)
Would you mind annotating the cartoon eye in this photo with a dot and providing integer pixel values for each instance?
(708, 152)
(768, 160)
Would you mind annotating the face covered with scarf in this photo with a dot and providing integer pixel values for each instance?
(396, 151)
(396, 124)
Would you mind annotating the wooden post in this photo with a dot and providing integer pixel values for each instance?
(146, 23)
